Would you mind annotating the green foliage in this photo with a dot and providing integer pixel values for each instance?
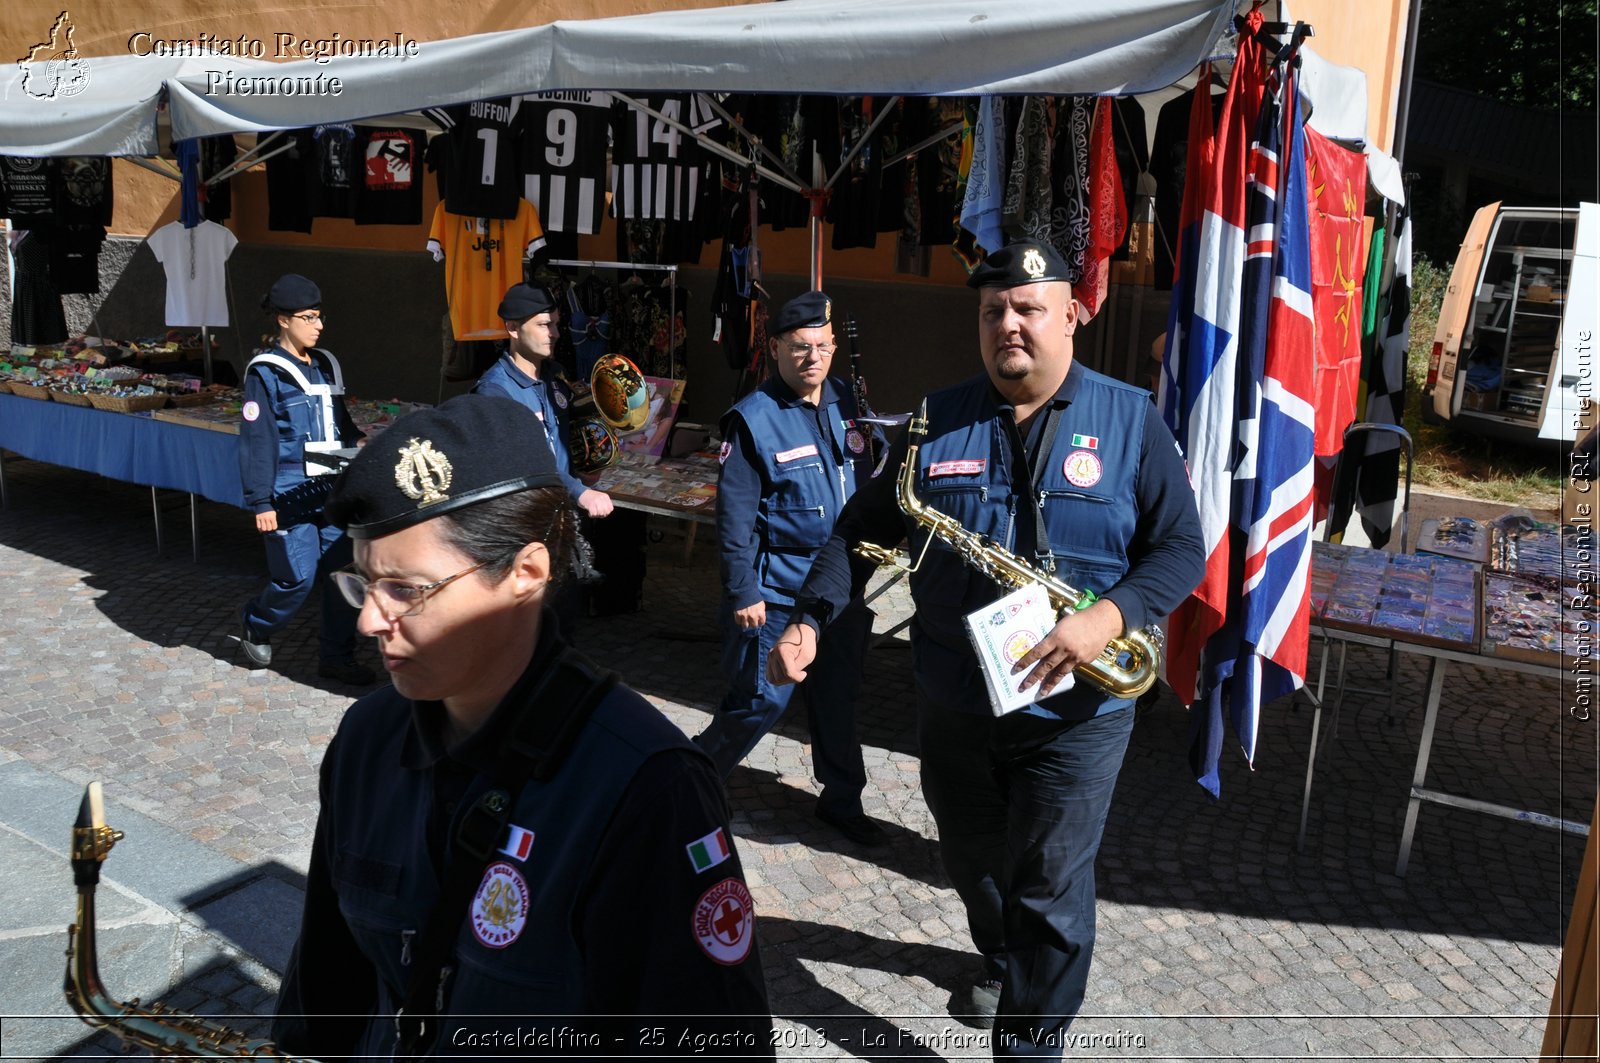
(1533, 55)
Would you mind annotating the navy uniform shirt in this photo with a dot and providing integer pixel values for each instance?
(505, 379)
(617, 892)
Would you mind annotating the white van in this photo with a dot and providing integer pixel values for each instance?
(1513, 355)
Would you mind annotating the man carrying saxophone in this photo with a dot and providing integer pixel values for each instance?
(1045, 461)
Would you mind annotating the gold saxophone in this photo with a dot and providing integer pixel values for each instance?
(1127, 666)
(150, 1026)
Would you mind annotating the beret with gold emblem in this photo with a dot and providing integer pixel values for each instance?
(811, 310)
(1018, 263)
(466, 450)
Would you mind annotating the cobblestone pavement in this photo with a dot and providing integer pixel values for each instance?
(1217, 940)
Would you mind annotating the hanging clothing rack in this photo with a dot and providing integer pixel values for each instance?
(670, 269)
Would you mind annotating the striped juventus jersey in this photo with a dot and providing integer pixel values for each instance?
(564, 138)
(655, 167)
(481, 161)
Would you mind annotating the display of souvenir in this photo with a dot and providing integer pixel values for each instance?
(1529, 620)
(1415, 597)
(1459, 537)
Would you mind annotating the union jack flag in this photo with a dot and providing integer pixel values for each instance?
(1255, 649)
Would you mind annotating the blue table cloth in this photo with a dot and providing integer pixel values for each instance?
(130, 447)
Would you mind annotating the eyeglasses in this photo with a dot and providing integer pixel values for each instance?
(311, 319)
(803, 350)
(396, 598)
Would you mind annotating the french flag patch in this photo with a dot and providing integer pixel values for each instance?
(519, 844)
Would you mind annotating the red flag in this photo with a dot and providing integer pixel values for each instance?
(1108, 214)
(1337, 191)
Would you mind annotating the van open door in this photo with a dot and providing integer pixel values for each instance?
(1456, 314)
(1571, 388)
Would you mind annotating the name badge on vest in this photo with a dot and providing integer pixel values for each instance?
(783, 457)
(961, 467)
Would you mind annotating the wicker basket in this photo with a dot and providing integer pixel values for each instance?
(71, 398)
(127, 403)
(29, 391)
(5, 387)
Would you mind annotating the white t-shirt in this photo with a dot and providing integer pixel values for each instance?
(196, 281)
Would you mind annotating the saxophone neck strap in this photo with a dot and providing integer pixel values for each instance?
(553, 714)
(1048, 427)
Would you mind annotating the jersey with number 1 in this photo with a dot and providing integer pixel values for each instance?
(563, 138)
(655, 164)
(481, 178)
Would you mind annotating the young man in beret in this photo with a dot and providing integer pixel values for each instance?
(792, 455)
(1076, 474)
(294, 409)
(533, 324)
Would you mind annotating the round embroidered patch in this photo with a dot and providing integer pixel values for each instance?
(251, 411)
(855, 441)
(1082, 469)
(727, 448)
(500, 907)
(561, 400)
(724, 922)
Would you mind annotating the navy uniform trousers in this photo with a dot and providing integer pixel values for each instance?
(753, 706)
(1021, 804)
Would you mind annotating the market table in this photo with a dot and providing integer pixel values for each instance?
(1472, 647)
(130, 447)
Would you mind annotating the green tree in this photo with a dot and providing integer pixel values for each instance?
(1535, 54)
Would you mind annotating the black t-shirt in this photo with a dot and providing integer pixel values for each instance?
(391, 183)
(337, 166)
(30, 186)
(481, 160)
(217, 154)
(289, 177)
(85, 197)
(75, 259)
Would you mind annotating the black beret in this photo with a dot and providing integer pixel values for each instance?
(811, 310)
(292, 292)
(467, 449)
(1021, 262)
(522, 301)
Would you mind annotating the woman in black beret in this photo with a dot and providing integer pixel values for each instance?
(513, 849)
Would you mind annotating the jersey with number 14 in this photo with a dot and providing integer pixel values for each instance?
(564, 137)
(655, 164)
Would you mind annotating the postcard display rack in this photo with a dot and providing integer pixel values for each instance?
(1528, 608)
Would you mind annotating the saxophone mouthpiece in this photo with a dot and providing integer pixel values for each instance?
(91, 838)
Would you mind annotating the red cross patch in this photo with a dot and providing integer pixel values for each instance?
(724, 922)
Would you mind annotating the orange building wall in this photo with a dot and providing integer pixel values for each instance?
(1369, 35)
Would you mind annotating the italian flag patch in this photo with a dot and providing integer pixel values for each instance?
(1086, 442)
(706, 853)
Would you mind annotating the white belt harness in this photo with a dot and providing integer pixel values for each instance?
(323, 393)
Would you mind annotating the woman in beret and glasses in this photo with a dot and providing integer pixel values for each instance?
(513, 850)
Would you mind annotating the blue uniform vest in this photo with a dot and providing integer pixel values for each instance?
(809, 478)
(387, 884)
(299, 416)
(964, 470)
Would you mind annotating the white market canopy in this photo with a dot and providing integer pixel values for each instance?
(834, 47)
